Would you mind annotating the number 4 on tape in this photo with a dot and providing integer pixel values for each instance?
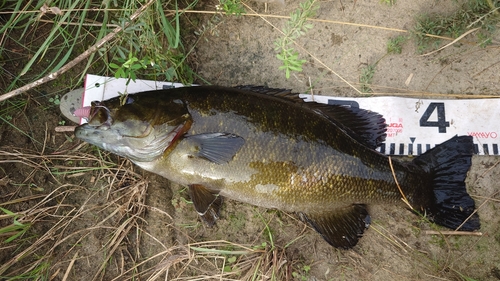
(441, 122)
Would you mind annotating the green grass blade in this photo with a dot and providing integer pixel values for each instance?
(50, 38)
(76, 36)
(173, 37)
(13, 17)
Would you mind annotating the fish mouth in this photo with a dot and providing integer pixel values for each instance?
(100, 118)
(96, 115)
(96, 135)
(143, 148)
(109, 139)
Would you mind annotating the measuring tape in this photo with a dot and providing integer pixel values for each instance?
(414, 125)
(417, 125)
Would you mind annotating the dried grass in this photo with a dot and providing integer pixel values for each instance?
(65, 219)
(62, 225)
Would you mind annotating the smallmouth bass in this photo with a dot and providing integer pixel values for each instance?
(269, 148)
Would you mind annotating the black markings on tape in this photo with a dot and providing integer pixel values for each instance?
(441, 122)
(433, 116)
(349, 103)
(485, 149)
(400, 148)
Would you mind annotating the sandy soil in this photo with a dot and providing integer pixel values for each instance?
(162, 227)
(241, 51)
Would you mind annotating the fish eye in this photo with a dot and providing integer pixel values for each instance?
(129, 100)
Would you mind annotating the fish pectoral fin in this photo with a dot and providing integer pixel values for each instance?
(207, 203)
(341, 228)
(218, 148)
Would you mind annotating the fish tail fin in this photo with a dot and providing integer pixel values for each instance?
(448, 163)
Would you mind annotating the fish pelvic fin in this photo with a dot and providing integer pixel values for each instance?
(341, 228)
(206, 202)
(448, 164)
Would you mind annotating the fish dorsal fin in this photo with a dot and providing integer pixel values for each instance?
(269, 91)
(218, 148)
(206, 203)
(341, 228)
(367, 127)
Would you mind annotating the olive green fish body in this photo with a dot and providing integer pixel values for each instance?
(271, 149)
(281, 165)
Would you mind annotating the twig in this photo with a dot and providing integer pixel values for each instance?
(487, 171)
(435, 277)
(61, 129)
(98, 24)
(452, 42)
(77, 60)
(491, 65)
(255, 14)
(451, 232)
(485, 15)
(475, 211)
(487, 198)
(70, 266)
(399, 187)
(419, 94)
(311, 88)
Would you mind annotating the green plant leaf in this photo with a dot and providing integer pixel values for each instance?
(295, 68)
(7, 212)
(114, 65)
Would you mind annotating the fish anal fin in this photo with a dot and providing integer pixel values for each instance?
(219, 148)
(341, 228)
(206, 203)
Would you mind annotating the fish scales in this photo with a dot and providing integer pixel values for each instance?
(305, 153)
(267, 147)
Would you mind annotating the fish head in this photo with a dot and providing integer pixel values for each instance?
(139, 128)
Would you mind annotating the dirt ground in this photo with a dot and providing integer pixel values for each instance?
(101, 218)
